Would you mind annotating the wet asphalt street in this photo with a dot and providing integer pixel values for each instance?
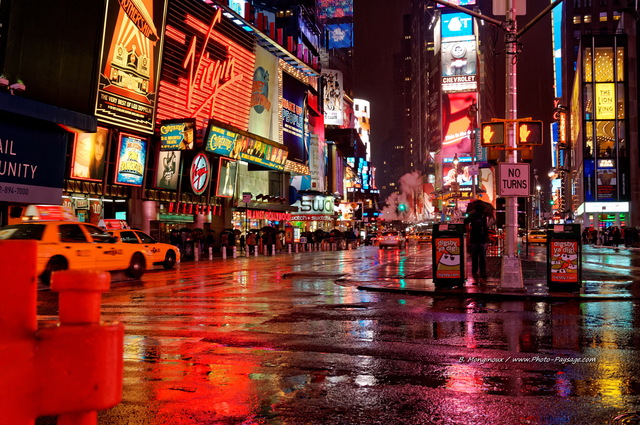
(286, 339)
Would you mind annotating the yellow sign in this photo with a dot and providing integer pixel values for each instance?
(605, 101)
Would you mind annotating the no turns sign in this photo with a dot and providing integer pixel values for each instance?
(513, 179)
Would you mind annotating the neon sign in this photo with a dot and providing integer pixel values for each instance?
(214, 71)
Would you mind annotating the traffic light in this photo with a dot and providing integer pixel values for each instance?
(529, 133)
(402, 207)
(492, 133)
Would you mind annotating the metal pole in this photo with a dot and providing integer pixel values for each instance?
(511, 273)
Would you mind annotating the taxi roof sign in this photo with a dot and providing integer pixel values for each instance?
(113, 224)
(48, 213)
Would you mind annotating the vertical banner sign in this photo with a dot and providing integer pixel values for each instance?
(226, 178)
(448, 257)
(564, 261)
(130, 63)
(293, 97)
(132, 155)
(264, 95)
(333, 97)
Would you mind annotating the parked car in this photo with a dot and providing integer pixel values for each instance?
(537, 236)
(392, 239)
(158, 253)
(65, 243)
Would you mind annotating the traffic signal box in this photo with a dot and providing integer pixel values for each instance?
(493, 136)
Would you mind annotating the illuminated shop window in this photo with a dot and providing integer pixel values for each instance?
(588, 102)
(620, 97)
(620, 63)
(588, 69)
(604, 64)
(588, 151)
(605, 137)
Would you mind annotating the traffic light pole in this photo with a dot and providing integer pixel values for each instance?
(511, 272)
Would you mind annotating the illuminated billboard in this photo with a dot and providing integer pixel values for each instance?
(208, 67)
(456, 124)
(130, 63)
(459, 65)
(89, 155)
(264, 96)
(329, 9)
(333, 96)
(456, 25)
(167, 169)
(340, 36)
(177, 135)
(362, 113)
(131, 160)
(294, 93)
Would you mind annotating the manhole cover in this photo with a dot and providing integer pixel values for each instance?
(627, 419)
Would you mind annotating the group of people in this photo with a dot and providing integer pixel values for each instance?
(611, 236)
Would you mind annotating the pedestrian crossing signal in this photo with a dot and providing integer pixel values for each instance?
(529, 133)
(492, 134)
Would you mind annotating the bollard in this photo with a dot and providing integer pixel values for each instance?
(70, 369)
(273, 250)
(196, 254)
(289, 248)
(297, 248)
(246, 251)
(255, 251)
(235, 252)
(224, 252)
(210, 253)
(266, 250)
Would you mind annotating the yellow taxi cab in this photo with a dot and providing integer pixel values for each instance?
(537, 236)
(66, 243)
(158, 253)
(424, 237)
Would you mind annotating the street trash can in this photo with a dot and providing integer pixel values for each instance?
(564, 257)
(448, 255)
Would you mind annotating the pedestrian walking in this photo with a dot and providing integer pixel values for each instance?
(241, 242)
(478, 225)
(616, 236)
(252, 241)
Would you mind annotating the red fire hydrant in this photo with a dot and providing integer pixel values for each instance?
(71, 369)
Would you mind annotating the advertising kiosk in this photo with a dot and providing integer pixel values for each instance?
(448, 255)
(564, 257)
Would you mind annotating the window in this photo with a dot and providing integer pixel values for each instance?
(71, 233)
(98, 235)
(128, 237)
(145, 238)
(603, 16)
(577, 19)
(587, 19)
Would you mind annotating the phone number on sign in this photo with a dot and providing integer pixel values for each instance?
(14, 190)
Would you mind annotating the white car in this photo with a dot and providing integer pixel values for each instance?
(392, 239)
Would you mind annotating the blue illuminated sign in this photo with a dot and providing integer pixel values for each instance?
(456, 25)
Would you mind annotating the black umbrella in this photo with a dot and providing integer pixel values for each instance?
(268, 229)
(484, 206)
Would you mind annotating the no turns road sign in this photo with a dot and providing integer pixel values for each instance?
(513, 179)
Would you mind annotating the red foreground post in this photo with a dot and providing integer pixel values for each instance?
(71, 369)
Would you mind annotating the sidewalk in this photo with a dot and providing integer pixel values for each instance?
(596, 285)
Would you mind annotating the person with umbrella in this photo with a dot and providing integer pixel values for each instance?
(478, 224)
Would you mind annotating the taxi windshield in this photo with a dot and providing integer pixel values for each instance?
(23, 231)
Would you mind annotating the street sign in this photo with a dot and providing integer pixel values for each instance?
(246, 197)
(513, 179)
